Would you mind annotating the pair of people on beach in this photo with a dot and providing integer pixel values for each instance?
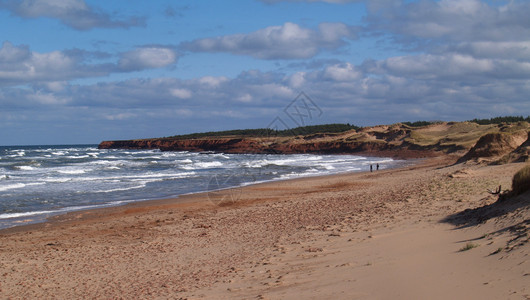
(371, 167)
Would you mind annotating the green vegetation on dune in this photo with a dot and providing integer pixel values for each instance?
(266, 132)
(461, 134)
(312, 129)
(236, 132)
(521, 181)
(420, 123)
(500, 120)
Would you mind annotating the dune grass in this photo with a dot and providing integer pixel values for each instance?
(468, 246)
(521, 181)
(462, 134)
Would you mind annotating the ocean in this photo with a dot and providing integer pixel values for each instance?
(40, 181)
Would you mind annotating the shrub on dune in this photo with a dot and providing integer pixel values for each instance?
(521, 181)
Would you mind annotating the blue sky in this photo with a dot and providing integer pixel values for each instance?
(80, 71)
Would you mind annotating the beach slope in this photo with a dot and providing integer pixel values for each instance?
(429, 231)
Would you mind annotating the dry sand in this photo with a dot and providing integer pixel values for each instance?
(391, 234)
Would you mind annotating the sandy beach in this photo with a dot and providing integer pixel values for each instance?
(428, 231)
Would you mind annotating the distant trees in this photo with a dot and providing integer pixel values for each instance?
(419, 123)
(302, 130)
(499, 120)
(496, 120)
(325, 128)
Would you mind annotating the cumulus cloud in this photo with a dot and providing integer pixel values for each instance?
(426, 87)
(450, 21)
(453, 66)
(288, 41)
(470, 50)
(20, 65)
(73, 13)
(341, 72)
(395, 89)
(147, 58)
(181, 93)
(491, 49)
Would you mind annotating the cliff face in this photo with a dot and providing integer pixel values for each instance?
(242, 146)
(226, 145)
(229, 145)
(396, 140)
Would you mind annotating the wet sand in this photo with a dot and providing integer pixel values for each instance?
(388, 234)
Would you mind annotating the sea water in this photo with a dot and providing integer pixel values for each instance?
(39, 181)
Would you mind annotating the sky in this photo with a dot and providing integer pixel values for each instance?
(83, 71)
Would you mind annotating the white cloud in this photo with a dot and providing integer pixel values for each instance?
(147, 58)
(341, 72)
(297, 80)
(452, 67)
(213, 81)
(493, 49)
(74, 13)
(56, 86)
(246, 98)
(119, 116)
(451, 20)
(181, 93)
(49, 98)
(288, 41)
(10, 53)
(386, 91)
(20, 65)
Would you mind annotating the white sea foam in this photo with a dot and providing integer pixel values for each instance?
(207, 165)
(72, 171)
(7, 187)
(46, 212)
(78, 156)
(24, 168)
(24, 214)
(57, 180)
(121, 189)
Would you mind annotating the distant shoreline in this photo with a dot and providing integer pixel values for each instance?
(401, 140)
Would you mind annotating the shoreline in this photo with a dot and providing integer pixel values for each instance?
(39, 218)
(357, 235)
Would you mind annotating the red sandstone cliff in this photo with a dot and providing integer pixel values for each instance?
(396, 140)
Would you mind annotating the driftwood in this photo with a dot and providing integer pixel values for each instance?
(496, 192)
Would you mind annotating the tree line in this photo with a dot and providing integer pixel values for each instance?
(264, 132)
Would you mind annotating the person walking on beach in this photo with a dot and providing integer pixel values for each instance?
(377, 167)
(371, 169)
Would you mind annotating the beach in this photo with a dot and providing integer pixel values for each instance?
(400, 233)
